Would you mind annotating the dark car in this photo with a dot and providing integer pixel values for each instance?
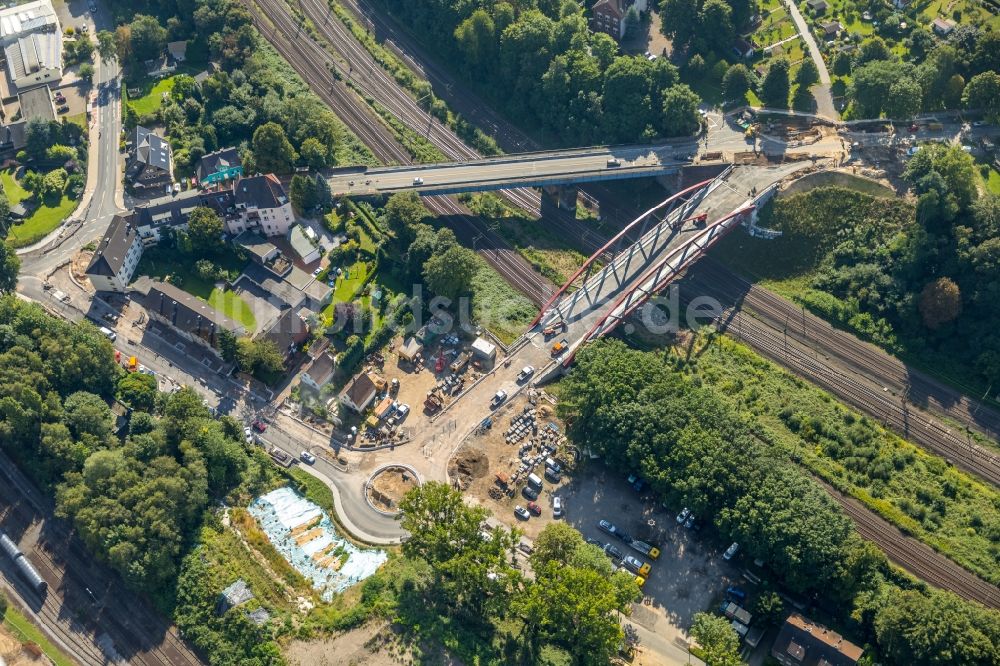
(259, 425)
(612, 552)
(63, 109)
(534, 508)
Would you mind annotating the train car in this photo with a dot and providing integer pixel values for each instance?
(8, 546)
(37, 583)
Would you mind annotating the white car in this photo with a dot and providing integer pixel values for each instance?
(248, 435)
(731, 551)
(557, 507)
(402, 411)
(526, 372)
(307, 457)
(683, 515)
(498, 398)
(418, 181)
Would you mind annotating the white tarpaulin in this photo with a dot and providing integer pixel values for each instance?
(306, 537)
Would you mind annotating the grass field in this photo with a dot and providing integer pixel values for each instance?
(349, 283)
(43, 221)
(993, 181)
(161, 265)
(150, 102)
(23, 628)
(15, 193)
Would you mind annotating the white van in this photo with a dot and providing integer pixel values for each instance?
(553, 465)
(108, 333)
(533, 480)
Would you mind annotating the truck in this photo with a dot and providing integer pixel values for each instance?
(459, 364)
(433, 403)
(734, 611)
(652, 552)
(559, 347)
(935, 126)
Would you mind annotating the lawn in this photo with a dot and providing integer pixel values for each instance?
(15, 193)
(993, 181)
(150, 102)
(80, 119)
(43, 221)
(159, 265)
(23, 628)
(349, 282)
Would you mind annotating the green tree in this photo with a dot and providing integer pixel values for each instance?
(983, 92)
(574, 608)
(716, 22)
(303, 193)
(808, 74)
(106, 47)
(680, 111)
(873, 48)
(936, 629)
(680, 20)
(842, 63)
(147, 37)
(903, 101)
(86, 72)
(716, 637)
(138, 391)
(736, 82)
(313, 153)
(272, 151)
(205, 230)
(87, 414)
(449, 274)
(402, 213)
(775, 87)
(10, 266)
(769, 608)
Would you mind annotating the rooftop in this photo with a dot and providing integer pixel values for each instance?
(186, 312)
(218, 161)
(27, 17)
(110, 255)
(813, 644)
(260, 192)
(151, 148)
(36, 103)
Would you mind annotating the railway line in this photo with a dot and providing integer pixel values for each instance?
(369, 75)
(311, 61)
(917, 558)
(85, 606)
(807, 350)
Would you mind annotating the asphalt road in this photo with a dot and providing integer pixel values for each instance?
(517, 170)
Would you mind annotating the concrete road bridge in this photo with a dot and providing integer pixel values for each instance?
(540, 169)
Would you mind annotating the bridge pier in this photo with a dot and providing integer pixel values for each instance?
(563, 197)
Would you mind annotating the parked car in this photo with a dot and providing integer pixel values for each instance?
(731, 551)
(526, 372)
(521, 512)
(307, 457)
(595, 542)
(557, 507)
(606, 526)
(534, 508)
(530, 492)
(498, 398)
(258, 425)
(248, 434)
(623, 535)
(636, 566)
(636, 482)
(683, 515)
(612, 552)
(735, 593)
(64, 108)
(689, 523)
(402, 411)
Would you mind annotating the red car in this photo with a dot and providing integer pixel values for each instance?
(259, 425)
(534, 508)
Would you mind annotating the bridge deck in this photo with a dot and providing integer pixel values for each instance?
(523, 170)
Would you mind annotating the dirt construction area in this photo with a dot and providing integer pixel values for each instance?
(14, 653)
(389, 486)
(493, 465)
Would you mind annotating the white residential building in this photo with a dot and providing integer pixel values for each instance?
(116, 257)
(263, 205)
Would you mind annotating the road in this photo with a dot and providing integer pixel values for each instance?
(523, 170)
(824, 99)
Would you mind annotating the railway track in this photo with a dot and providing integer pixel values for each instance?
(369, 75)
(917, 558)
(807, 355)
(312, 62)
(70, 610)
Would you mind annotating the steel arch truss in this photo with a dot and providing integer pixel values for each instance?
(667, 215)
(657, 277)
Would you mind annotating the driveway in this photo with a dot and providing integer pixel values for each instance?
(824, 100)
